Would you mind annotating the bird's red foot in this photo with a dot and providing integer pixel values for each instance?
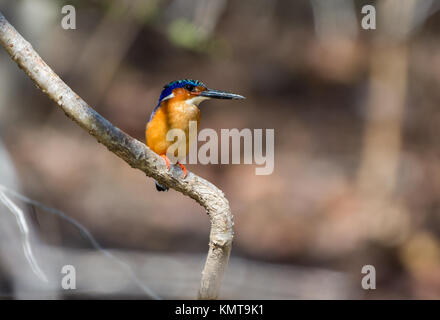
(183, 169)
(167, 161)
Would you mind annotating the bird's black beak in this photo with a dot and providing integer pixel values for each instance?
(217, 94)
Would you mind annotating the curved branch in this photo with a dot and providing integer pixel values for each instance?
(132, 151)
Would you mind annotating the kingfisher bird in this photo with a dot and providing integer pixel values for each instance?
(177, 106)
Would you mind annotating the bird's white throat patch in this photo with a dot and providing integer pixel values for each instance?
(196, 100)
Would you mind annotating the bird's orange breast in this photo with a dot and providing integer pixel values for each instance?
(170, 115)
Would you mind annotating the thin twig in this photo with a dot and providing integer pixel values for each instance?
(132, 151)
(85, 232)
(24, 229)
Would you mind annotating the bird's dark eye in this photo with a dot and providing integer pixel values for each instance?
(190, 87)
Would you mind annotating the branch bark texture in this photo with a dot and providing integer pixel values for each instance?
(132, 151)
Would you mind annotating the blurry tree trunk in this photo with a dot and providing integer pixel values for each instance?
(108, 44)
(387, 93)
(385, 107)
(135, 153)
(336, 28)
(382, 213)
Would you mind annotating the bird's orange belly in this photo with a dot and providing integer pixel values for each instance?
(167, 118)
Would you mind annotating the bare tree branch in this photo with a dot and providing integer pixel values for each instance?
(132, 151)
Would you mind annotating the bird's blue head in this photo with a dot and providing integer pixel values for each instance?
(193, 89)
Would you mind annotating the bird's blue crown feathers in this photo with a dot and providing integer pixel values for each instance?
(168, 89)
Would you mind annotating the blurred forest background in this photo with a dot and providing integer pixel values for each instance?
(357, 172)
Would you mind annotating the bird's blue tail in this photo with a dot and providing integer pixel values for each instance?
(160, 187)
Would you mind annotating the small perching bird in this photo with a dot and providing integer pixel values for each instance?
(177, 106)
